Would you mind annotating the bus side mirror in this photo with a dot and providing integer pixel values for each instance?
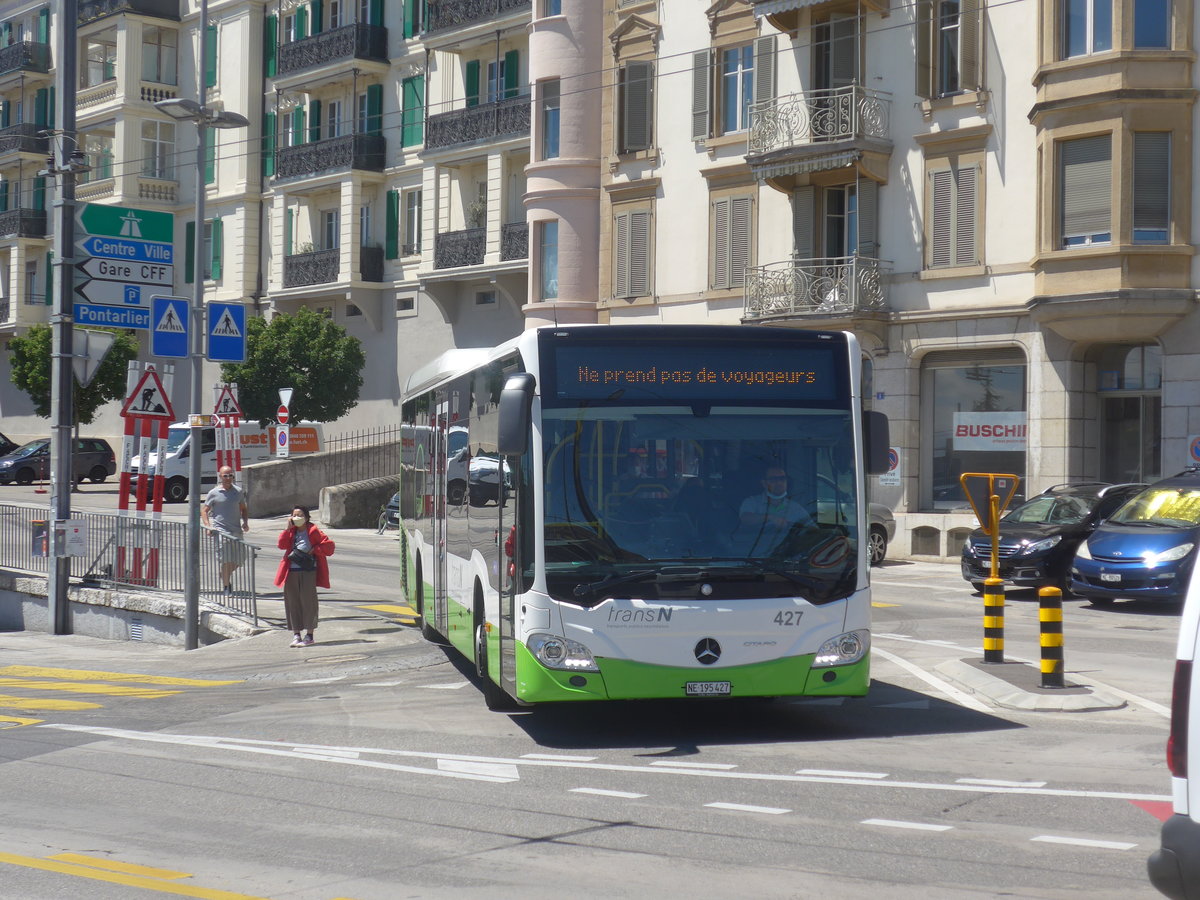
(515, 402)
(876, 442)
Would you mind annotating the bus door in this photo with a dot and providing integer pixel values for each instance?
(441, 420)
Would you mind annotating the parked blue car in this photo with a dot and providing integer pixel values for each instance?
(1146, 550)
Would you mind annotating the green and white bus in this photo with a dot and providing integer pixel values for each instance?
(649, 511)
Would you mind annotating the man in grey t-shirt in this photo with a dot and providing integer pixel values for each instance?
(221, 511)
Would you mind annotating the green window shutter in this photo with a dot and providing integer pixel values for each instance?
(512, 73)
(270, 45)
(189, 253)
(39, 192)
(268, 163)
(392, 241)
(287, 233)
(375, 11)
(301, 23)
(314, 120)
(43, 25)
(50, 106)
(5, 34)
(3, 196)
(317, 16)
(410, 17)
(210, 155)
(210, 58)
(472, 83)
(217, 247)
(5, 113)
(40, 105)
(49, 298)
(412, 131)
(374, 109)
(298, 133)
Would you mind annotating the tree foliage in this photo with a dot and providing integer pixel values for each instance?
(31, 368)
(306, 352)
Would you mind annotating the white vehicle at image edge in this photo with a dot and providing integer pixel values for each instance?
(1175, 867)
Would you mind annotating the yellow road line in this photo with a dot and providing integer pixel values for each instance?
(86, 674)
(112, 865)
(406, 611)
(878, 605)
(128, 880)
(7, 702)
(16, 722)
(77, 687)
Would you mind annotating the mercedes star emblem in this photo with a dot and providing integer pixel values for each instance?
(708, 651)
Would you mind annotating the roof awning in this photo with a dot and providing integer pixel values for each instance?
(820, 163)
(771, 7)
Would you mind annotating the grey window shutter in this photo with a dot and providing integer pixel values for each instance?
(966, 207)
(1151, 180)
(621, 240)
(970, 16)
(764, 69)
(700, 94)
(1086, 170)
(868, 218)
(740, 209)
(639, 253)
(941, 190)
(924, 39)
(803, 209)
(720, 268)
(637, 111)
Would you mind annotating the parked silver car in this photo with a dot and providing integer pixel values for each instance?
(883, 529)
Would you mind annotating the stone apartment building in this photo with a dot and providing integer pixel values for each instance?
(995, 197)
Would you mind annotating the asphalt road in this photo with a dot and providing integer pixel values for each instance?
(368, 767)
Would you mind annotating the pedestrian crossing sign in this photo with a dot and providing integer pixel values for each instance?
(169, 327)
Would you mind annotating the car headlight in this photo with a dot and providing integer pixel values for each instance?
(843, 650)
(1083, 552)
(1153, 559)
(7, 464)
(556, 652)
(1039, 546)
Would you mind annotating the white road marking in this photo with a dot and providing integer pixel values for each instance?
(445, 687)
(838, 773)
(506, 771)
(1083, 842)
(320, 680)
(600, 792)
(742, 807)
(960, 697)
(916, 826)
(380, 684)
(554, 756)
(990, 782)
(693, 765)
(327, 754)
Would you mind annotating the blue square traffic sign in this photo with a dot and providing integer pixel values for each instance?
(169, 327)
(226, 332)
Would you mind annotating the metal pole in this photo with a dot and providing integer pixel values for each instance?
(191, 594)
(62, 374)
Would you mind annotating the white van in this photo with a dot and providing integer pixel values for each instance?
(257, 444)
(1175, 866)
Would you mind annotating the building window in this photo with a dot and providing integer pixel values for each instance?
(953, 213)
(948, 35)
(737, 88)
(1129, 382)
(1152, 23)
(485, 298)
(212, 245)
(98, 148)
(1085, 176)
(32, 297)
(841, 220)
(333, 119)
(550, 110)
(100, 59)
(330, 230)
(631, 237)
(1151, 187)
(159, 54)
(548, 260)
(406, 304)
(949, 47)
(412, 223)
(158, 149)
(635, 106)
(1087, 27)
(352, 310)
(977, 421)
(552, 8)
(334, 15)
(732, 223)
(364, 225)
(495, 80)
(289, 29)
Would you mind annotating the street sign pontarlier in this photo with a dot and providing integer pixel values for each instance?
(112, 316)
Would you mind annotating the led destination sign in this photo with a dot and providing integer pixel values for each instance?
(737, 372)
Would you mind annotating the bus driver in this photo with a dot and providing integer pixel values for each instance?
(772, 515)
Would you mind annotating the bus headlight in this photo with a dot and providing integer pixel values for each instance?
(843, 650)
(556, 652)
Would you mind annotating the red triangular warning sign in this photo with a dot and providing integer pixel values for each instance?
(227, 404)
(148, 399)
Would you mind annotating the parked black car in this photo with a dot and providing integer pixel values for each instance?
(1038, 539)
(93, 459)
(7, 446)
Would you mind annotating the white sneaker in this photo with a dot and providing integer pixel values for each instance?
(297, 641)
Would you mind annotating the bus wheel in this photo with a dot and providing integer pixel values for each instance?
(495, 698)
(428, 631)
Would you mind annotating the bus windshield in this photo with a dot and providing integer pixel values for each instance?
(754, 500)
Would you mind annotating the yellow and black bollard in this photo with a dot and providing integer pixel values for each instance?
(993, 620)
(1050, 621)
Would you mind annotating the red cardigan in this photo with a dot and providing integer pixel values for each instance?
(322, 547)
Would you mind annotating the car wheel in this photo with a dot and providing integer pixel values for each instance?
(175, 490)
(877, 545)
(24, 476)
(97, 475)
(978, 586)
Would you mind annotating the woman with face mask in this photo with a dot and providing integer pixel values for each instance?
(302, 570)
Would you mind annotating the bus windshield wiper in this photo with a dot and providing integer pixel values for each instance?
(755, 564)
(613, 581)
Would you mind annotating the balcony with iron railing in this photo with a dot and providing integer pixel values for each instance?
(819, 130)
(350, 42)
(350, 151)
(442, 15)
(25, 56)
(824, 287)
(313, 267)
(91, 10)
(24, 137)
(370, 263)
(514, 240)
(501, 119)
(23, 223)
(453, 249)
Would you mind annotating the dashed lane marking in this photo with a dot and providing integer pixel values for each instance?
(743, 807)
(1083, 842)
(838, 773)
(600, 792)
(915, 826)
(558, 757)
(719, 767)
(991, 782)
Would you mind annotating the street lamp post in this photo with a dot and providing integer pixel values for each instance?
(191, 111)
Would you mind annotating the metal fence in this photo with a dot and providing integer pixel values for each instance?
(145, 554)
(363, 466)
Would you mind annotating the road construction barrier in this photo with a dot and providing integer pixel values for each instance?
(993, 620)
(1051, 631)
